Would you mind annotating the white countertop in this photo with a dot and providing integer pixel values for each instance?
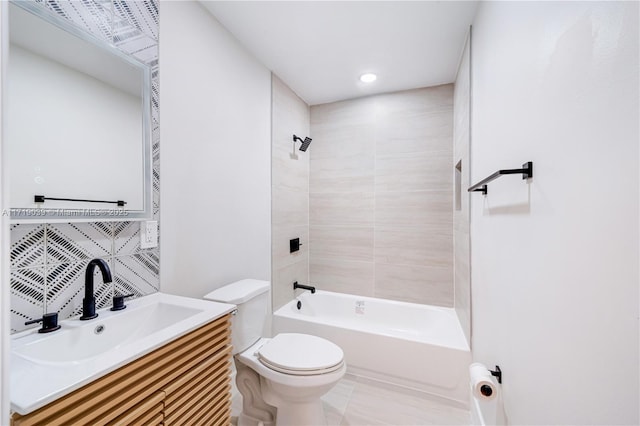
(39, 375)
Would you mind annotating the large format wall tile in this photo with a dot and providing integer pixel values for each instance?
(414, 209)
(342, 208)
(296, 177)
(343, 174)
(431, 285)
(281, 245)
(342, 276)
(48, 261)
(342, 242)
(461, 138)
(290, 208)
(290, 115)
(284, 277)
(381, 196)
(416, 102)
(426, 245)
(360, 141)
(289, 192)
(416, 171)
(344, 116)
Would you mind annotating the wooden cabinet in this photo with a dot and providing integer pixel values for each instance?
(185, 382)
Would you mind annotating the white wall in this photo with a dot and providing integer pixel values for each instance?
(215, 161)
(98, 126)
(4, 230)
(555, 261)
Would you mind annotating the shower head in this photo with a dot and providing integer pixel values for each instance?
(305, 143)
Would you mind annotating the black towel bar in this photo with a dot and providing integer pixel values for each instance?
(42, 198)
(526, 171)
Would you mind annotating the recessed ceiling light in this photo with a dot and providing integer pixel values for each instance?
(368, 77)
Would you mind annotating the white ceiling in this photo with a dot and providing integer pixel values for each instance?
(320, 48)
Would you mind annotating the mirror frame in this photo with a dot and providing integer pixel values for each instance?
(41, 214)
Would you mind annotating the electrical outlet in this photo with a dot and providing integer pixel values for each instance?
(148, 234)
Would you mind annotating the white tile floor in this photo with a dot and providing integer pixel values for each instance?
(356, 401)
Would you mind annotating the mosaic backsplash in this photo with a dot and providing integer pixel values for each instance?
(48, 261)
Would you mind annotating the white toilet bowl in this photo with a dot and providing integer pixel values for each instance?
(294, 371)
(281, 379)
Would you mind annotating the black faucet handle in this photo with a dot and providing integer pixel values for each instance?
(118, 301)
(49, 322)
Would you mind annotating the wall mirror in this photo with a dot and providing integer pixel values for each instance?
(77, 123)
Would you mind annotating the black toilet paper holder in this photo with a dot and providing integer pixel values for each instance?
(497, 374)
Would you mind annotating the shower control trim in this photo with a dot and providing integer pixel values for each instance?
(294, 245)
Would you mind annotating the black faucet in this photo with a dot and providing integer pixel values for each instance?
(89, 301)
(304, 287)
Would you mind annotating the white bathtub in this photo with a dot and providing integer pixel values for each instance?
(417, 346)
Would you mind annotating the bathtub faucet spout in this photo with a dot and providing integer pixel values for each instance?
(304, 287)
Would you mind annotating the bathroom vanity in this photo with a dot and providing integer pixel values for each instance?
(186, 380)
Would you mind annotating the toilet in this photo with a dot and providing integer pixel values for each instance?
(281, 379)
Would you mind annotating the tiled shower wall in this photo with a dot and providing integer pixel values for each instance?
(289, 191)
(380, 196)
(461, 235)
(48, 261)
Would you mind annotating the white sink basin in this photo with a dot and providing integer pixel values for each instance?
(45, 367)
(80, 340)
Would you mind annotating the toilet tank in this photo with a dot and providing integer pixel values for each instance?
(252, 299)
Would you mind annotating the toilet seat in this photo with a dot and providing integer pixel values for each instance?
(300, 355)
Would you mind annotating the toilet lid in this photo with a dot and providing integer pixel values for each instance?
(301, 354)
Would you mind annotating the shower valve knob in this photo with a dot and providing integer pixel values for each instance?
(294, 245)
